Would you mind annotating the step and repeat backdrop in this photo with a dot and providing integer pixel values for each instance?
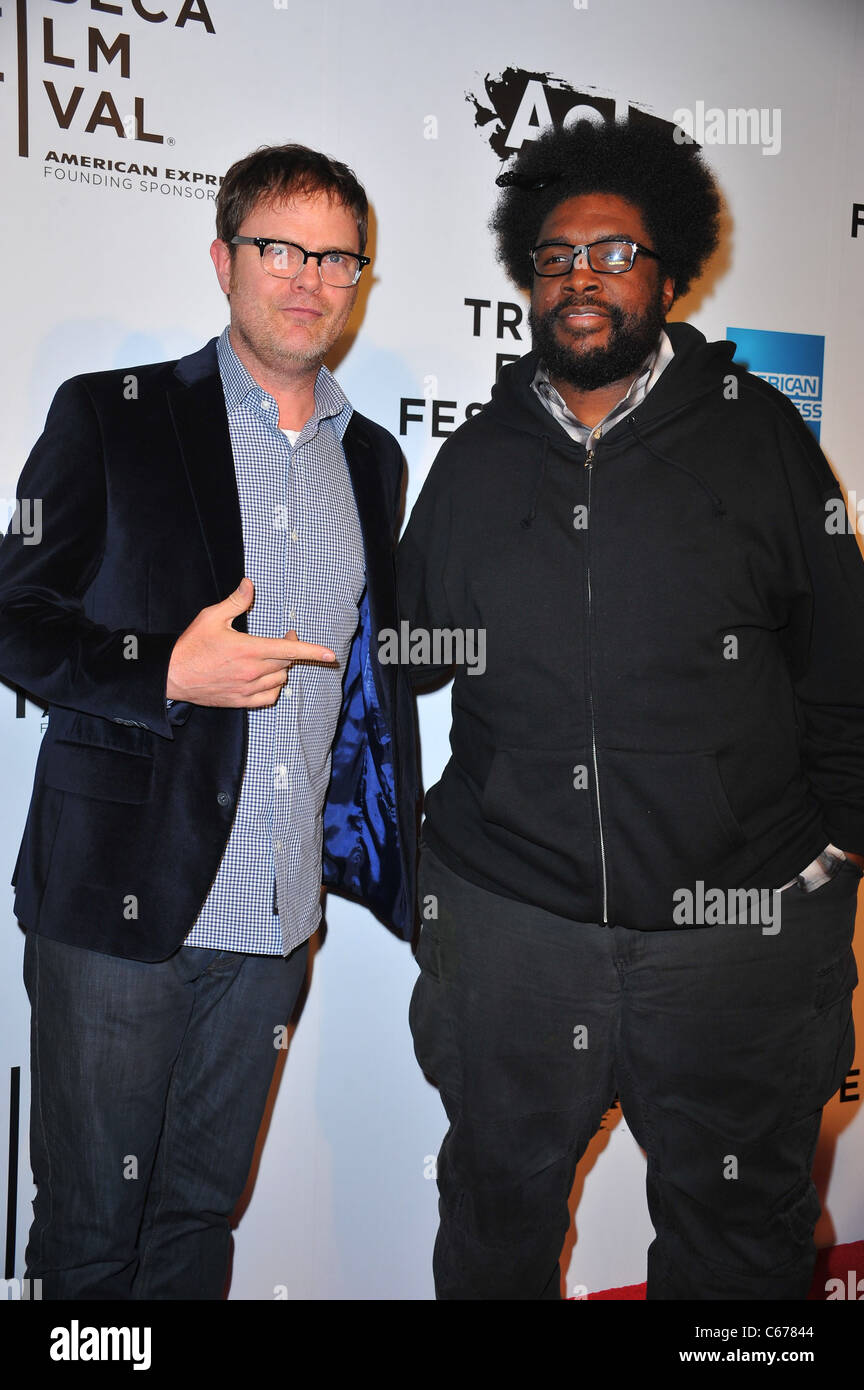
(118, 121)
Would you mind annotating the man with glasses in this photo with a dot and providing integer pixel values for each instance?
(640, 864)
(200, 616)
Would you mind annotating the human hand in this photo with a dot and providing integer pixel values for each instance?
(212, 664)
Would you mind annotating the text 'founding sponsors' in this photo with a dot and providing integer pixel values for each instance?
(437, 646)
(701, 906)
(92, 172)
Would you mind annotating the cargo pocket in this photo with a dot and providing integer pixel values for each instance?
(829, 1037)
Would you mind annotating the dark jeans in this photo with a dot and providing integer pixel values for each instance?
(723, 1044)
(148, 1086)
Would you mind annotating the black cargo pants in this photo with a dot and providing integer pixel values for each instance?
(723, 1044)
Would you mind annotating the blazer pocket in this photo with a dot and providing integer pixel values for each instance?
(113, 765)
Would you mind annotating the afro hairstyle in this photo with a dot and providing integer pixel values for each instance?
(635, 160)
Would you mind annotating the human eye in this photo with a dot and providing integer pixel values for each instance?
(549, 256)
(280, 254)
(612, 253)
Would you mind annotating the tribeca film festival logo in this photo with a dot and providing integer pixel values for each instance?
(79, 59)
(438, 646)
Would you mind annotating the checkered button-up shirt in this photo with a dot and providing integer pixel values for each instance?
(304, 554)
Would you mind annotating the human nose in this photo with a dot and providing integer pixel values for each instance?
(580, 269)
(308, 277)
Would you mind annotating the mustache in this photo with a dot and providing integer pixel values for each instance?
(580, 303)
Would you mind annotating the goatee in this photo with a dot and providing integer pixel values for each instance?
(631, 338)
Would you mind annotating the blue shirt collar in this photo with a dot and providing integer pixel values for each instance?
(240, 388)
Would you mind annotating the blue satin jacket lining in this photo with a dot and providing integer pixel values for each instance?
(362, 844)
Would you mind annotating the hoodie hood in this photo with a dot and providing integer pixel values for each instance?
(697, 367)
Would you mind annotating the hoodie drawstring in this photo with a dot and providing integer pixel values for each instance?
(716, 501)
(528, 520)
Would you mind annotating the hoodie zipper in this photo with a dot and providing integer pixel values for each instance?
(589, 464)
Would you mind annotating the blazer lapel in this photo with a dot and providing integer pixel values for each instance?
(197, 407)
(375, 520)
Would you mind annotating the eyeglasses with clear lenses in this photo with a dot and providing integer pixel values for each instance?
(608, 256)
(285, 259)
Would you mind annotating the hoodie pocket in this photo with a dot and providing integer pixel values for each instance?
(667, 824)
(545, 797)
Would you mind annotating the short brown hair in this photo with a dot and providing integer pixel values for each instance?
(279, 171)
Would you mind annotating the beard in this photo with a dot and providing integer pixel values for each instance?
(277, 344)
(269, 347)
(631, 338)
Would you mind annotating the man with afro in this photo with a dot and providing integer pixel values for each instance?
(639, 867)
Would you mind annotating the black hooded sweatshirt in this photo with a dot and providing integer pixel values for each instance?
(673, 689)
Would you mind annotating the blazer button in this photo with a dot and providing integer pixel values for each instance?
(224, 799)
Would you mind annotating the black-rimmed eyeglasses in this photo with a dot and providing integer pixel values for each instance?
(608, 256)
(285, 259)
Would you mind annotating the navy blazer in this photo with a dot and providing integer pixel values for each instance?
(132, 806)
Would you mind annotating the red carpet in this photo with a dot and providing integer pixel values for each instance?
(842, 1264)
